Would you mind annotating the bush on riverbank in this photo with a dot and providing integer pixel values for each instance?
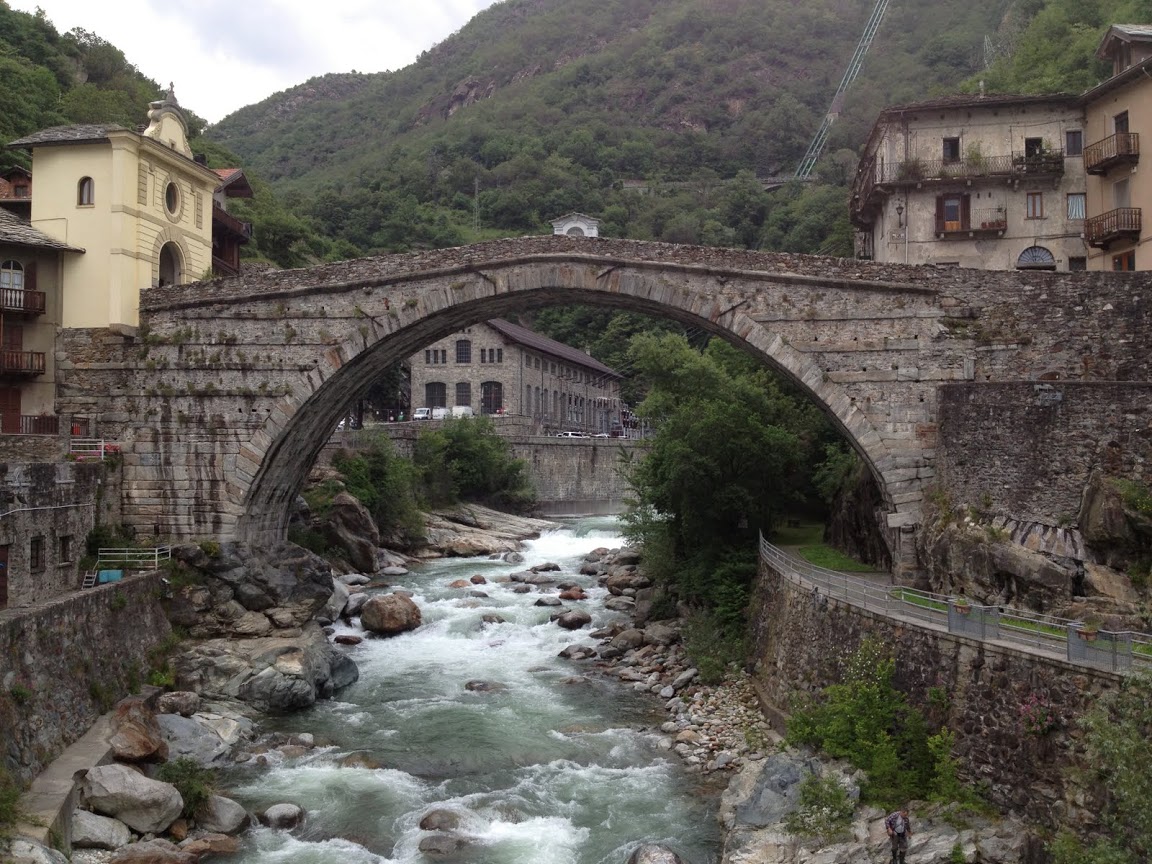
(867, 721)
(465, 459)
(195, 783)
(9, 804)
(385, 483)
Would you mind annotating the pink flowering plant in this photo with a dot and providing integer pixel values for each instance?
(1036, 715)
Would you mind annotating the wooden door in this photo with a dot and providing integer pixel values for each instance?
(10, 410)
(4, 576)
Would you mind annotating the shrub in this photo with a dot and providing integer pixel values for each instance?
(19, 693)
(195, 783)
(825, 810)
(466, 459)
(10, 812)
(384, 483)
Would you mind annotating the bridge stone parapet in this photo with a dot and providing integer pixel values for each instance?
(226, 395)
(802, 641)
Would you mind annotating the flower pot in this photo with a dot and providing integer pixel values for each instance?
(1087, 635)
(963, 608)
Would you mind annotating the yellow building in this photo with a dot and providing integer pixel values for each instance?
(139, 203)
(1117, 112)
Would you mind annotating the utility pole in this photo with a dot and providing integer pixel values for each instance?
(476, 205)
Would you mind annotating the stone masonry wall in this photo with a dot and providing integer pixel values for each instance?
(66, 661)
(801, 641)
(1027, 449)
(54, 505)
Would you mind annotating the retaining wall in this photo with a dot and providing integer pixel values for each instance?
(66, 661)
(801, 641)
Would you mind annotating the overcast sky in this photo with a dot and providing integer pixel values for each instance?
(224, 54)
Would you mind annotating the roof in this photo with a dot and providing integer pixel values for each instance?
(975, 100)
(18, 232)
(568, 216)
(233, 182)
(1126, 33)
(1137, 71)
(80, 133)
(524, 336)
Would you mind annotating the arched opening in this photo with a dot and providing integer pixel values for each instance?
(171, 265)
(1036, 258)
(435, 394)
(575, 231)
(491, 397)
(11, 277)
(85, 192)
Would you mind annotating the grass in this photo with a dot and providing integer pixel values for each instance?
(916, 599)
(833, 559)
(801, 534)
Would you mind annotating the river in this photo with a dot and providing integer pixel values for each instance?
(558, 767)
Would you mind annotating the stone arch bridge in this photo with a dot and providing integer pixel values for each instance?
(229, 389)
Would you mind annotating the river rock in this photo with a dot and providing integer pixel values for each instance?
(359, 760)
(521, 589)
(144, 805)
(351, 527)
(512, 557)
(25, 851)
(573, 594)
(347, 639)
(657, 633)
(220, 815)
(353, 580)
(654, 853)
(484, 687)
(763, 793)
(620, 582)
(188, 738)
(478, 580)
(620, 604)
(627, 557)
(628, 639)
(283, 816)
(334, 608)
(182, 702)
(493, 619)
(547, 567)
(540, 579)
(574, 619)
(93, 831)
(440, 820)
(549, 601)
(210, 844)
(460, 583)
(152, 852)
(442, 844)
(685, 678)
(135, 735)
(355, 604)
(390, 614)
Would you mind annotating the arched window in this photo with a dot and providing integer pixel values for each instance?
(85, 192)
(463, 350)
(536, 412)
(171, 265)
(1036, 258)
(575, 231)
(547, 403)
(464, 393)
(12, 276)
(491, 397)
(435, 394)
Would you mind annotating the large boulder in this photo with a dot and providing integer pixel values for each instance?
(334, 608)
(350, 527)
(135, 734)
(93, 831)
(220, 815)
(284, 816)
(574, 620)
(390, 614)
(1118, 532)
(654, 853)
(188, 738)
(24, 851)
(144, 805)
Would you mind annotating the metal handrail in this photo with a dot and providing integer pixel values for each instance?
(1006, 624)
(133, 558)
(1121, 145)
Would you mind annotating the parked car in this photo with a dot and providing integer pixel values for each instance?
(441, 413)
(571, 435)
(462, 411)
(422, 414)
(601, 435)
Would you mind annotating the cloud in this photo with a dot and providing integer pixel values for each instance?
(224, 54)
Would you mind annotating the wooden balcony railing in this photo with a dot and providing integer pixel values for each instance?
(22, 362)
(1123, 148)
(19, 300)
(1121, 223)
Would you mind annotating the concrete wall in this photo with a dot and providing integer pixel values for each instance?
(1028, 448)
(800, 645)
(54, 505)
(64, 662)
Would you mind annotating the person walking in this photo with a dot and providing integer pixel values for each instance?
(899, 828)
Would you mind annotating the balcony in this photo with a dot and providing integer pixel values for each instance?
(21, 362)
(1123, 148)
(992, 222)
(19, 300)
(1121, 224)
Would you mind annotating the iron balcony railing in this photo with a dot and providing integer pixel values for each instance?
(1119, 149)
(1063, 637)
(1121, 222)
(41, 424)
(20, 300)
(990, 219)
(22, 362)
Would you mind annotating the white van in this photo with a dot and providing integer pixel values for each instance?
(462, 411)
(441, 413)
(422, 414)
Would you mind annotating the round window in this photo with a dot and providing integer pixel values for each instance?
(172, 197)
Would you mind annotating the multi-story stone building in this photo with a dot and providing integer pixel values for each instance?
(993, 182)
(1117, 111)
(497, 367)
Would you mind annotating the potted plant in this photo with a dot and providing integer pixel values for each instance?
(963, 605)
(1089, 628)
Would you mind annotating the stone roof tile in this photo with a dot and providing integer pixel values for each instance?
(66, 135)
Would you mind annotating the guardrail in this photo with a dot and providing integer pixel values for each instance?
(82, 449)
(132, 558)
(1104, 649)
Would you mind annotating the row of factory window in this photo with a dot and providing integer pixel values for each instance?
(553, 368)
(437, 356)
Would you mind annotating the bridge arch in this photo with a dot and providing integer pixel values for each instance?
(395, 324)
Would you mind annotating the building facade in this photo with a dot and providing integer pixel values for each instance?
(497, 367)
(139, 203)
(1117, 112)
(992, 182)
